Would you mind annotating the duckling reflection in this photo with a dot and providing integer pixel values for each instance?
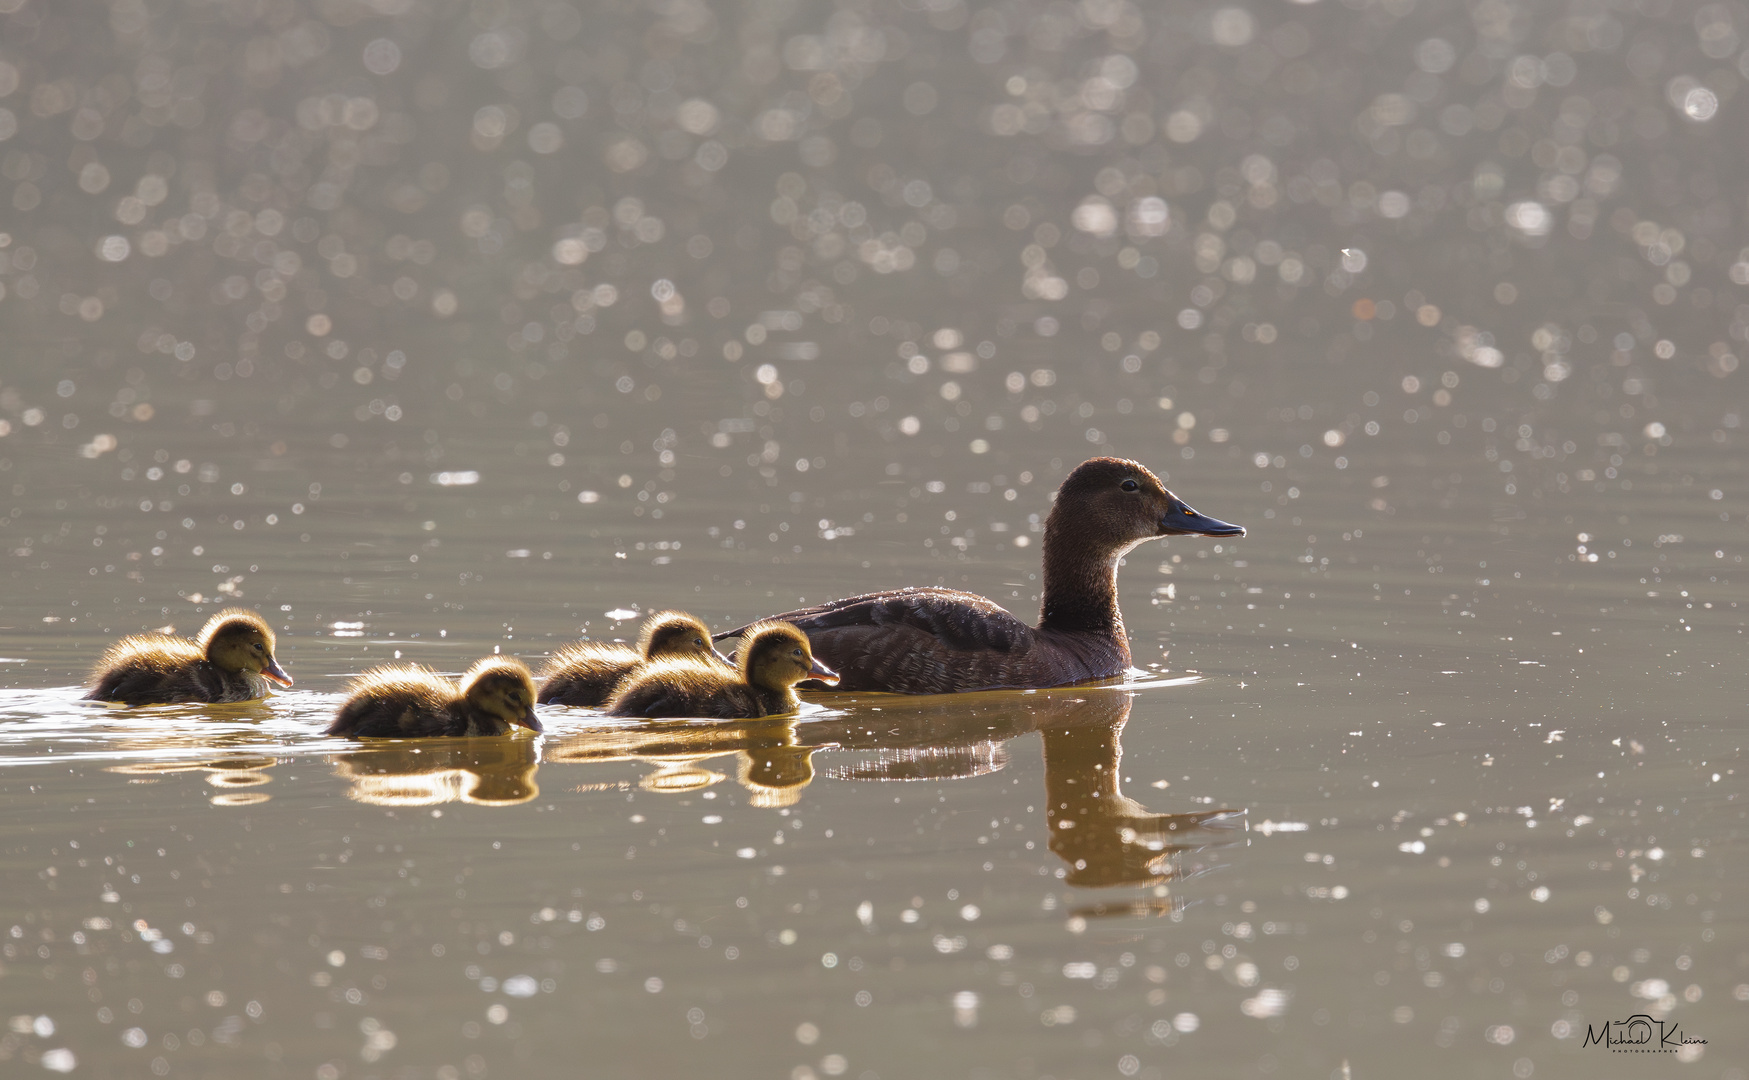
(195, 727)
(221, 763)
(480, 771)
(678, 777)
(770, 761)
(233, 778)
(1107, 838)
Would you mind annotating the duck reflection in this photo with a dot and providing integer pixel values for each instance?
(479, 771)
(232, 776)
(924, 763)
(1107, 838)
(770, 761)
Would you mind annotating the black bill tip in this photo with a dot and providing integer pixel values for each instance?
(1181, 520)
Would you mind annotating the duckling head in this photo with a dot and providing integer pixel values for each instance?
(776, 656)
(240, 640)
(675, 633)
(501, 686)
(1115, 503)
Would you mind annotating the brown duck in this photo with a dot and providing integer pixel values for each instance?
(939, 641)
(774, 657)
(586, 672)
(231, 660)
(407, 701)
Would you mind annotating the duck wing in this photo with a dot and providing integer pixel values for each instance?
(913, 641)
(959, 620)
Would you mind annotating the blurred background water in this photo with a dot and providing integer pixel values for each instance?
(432, 327)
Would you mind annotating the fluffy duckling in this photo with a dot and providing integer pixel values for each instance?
(586, 673)
(231, 660)
(774, 657)
(408, 701)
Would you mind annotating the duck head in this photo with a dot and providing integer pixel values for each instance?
(776, 656)
(501, 686)
(239, 640)
(675, 633)
(1115, 503)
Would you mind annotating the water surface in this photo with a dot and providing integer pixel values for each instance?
(430, 329)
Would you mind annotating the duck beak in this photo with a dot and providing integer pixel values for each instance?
(530, 721)
(1181, 520)
(718, 653)
(817, 670)
(274, 673)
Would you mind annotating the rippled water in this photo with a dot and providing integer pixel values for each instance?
(429, 329)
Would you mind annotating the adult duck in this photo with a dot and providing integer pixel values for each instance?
(231, 660)
(407, 701)
(774, 657)
(585, 673)
(932, 640)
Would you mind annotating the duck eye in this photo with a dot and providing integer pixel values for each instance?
(1130, 485)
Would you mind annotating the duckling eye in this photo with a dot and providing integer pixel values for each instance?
(1130, 485)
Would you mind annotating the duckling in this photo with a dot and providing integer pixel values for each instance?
(774, 657)
(408, 701)
(586, 673)
(231, 660)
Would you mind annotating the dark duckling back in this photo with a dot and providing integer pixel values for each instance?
(774, 657)
(232, 660)
(585, 673)
(397, 701)
(409, 702)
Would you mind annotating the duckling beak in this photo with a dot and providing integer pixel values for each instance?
(1181, 520)
(530, 721)
(274, 673)
(817, 670)
(718, 653)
